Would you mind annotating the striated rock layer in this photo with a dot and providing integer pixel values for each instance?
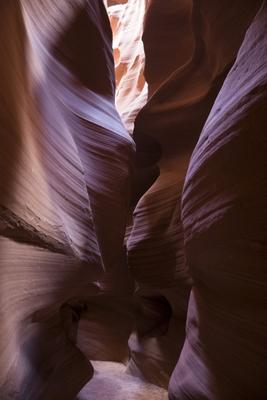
(62, 218)
(183, 89)
(150, 260)
(225, 224)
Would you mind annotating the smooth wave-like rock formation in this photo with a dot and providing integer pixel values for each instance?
(225, 224)
(129, 265)
(166, 131)
(62, 217)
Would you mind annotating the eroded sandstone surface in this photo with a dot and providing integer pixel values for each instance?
(133, 189)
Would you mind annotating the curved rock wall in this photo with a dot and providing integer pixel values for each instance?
(62, 218)
(225, 222)
(71, 250)
(166, 131)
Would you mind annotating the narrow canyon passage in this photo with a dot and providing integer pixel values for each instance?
(133, 192)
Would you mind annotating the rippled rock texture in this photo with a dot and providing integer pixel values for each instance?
(66, 168)
(225, 221)
(133, 189)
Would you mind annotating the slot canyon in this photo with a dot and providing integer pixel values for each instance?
(133, 200)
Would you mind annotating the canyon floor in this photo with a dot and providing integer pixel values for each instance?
(111, 382)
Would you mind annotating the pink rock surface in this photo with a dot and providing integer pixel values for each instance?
(225, 222)
(62, 217)
(147, 251)
(166, 131)
(127, 20)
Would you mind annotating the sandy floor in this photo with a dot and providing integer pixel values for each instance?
(110, 382)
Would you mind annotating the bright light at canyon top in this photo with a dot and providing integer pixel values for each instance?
(127, 21)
